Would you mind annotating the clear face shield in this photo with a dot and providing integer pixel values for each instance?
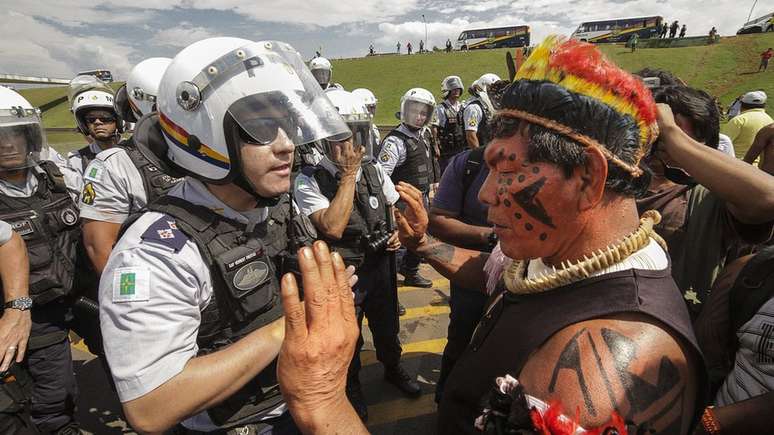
(83, 83)
(362, 136)
(323, 76)
(417, 114)
(21, 138)
(265, 87)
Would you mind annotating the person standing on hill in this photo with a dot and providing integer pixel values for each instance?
(664, 29)
(673, 29)
(682, 31)
(408, 47)
(765, 56)
(421, 46)
(448, 46)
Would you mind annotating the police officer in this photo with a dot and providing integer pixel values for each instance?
(349, 198)
(477, 112)
(189, 299)
(370, 101)
(120, 181)
(447, 130)
(406, 155)
(322, 70)
(15, 326)
(92, 105)
(39, 201)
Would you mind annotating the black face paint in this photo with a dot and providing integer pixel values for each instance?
(512, 157)
(507, 203)
(543, 237)
(528, 226)
(527, 199)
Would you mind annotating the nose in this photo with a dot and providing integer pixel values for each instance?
(488, 193)
(283, 145)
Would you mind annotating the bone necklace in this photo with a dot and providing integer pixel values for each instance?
(516, 282)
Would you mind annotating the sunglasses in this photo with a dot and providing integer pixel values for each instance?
(677, 175)
(102, 119)
(264, 131)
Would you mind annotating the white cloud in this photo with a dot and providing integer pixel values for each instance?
(30, 46)
(181, 36)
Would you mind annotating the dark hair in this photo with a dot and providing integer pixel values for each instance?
(666, 77)
(698, 106)
(747, 106)
(618, 132)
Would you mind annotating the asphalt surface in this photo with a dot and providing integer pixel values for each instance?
(423, 335)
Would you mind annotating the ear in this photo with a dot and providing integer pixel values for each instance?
(592, 178)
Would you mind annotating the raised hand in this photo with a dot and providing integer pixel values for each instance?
(412, 222)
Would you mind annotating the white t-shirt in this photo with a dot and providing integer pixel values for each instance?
(151, 298)
(112, 187)
(310, 199)
(725, 145)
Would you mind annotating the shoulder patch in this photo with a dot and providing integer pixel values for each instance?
(94, 170)
(131, 284)
(88, 195)
(165, 232)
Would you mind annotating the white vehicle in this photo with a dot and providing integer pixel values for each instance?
(496, 37)
(758, 25)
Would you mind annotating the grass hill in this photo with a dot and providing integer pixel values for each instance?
(726, 70)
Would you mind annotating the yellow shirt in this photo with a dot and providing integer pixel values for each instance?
(743, 127)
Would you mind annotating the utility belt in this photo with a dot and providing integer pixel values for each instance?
(15, 389)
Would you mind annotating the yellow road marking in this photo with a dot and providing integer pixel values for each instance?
(394, 410)
(442, 284)
(410, 350)
(427, 310)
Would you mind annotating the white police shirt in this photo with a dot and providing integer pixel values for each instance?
(439, 120)
(307, 194)
(152, 293)
(112, 187)
(472, 117)
(5, 232)
(393, 152)
(75, 159)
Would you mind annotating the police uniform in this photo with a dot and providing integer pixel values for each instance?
(185, 279)
(79, 159)
(475, 117)
(5, 232)
(406, 156)
(43, 211)
(121, 181)
(450, 131)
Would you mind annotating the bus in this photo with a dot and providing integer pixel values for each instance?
(495, 37)
(618, 30)
(101, 74)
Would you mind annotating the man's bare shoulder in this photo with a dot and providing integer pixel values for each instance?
(629, 364)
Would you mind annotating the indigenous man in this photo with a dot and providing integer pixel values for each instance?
(587, 315)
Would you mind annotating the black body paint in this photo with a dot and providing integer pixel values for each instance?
(527, 199)
(570, 359)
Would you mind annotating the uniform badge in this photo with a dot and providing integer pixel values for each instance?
(93, 171)
(166, 234)
(131, 284)
(88, 195)
(373, 202)
(384, 158)
(69, 217)
(23, 227)
(472, 122)
(251, 275)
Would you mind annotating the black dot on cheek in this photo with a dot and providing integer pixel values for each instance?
(517, 215)
(501, 152)
(501, 191)
(535, 169)
(543, 237)
(528, 226)
(509, 181)
(507, 203)
(512, 157)
(521, 178)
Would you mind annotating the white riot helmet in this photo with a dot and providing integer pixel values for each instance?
(368, 98)
(322, 71)
(358, 119)
(416, 107)
(451, 83)
(485, 81)
(137, 97)
(21, 132)
(86, 93)
(221, 93)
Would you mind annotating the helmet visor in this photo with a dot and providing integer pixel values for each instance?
(83, 83)
(323, 76)
(267, 86)
(417, 114)
(21, 141)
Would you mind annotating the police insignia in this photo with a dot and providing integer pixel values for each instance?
(23, 227)
(68, 216)
(251, 275)
(166, 234)
(384, 158)
(88, 195)
(131, 284)
(472, 122)
(373, 202)
(93, 171)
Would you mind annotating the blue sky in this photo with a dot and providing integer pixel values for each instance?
(59, 38)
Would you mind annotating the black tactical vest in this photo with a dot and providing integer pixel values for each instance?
(245, 270)
(87, 155)
(484, 132)
(452, 134)
(48, 221)
(368, 216)
(417, 170)
(155, 182)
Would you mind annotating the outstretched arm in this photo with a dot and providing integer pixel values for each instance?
(15, 325)
(749, 192)
(463, 266)
(333, 220)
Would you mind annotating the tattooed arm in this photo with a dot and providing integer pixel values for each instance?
(463, 266)
(627, 364)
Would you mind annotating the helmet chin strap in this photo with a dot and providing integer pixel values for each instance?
(243, 183)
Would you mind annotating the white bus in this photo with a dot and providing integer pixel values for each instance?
(496, 37)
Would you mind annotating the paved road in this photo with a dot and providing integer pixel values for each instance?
(423, 334)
